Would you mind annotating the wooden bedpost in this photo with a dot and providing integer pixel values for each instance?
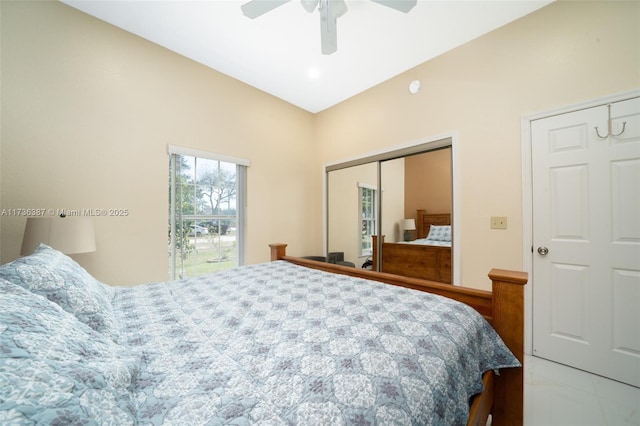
(374, 254)
(508, 320)
(420, 223)
(278, 251)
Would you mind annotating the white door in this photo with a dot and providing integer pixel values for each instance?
(586, 240)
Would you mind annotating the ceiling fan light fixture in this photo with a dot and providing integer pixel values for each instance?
(313, 73)
(309, 5)
(399, 5)
(330, 11)
(336, 8)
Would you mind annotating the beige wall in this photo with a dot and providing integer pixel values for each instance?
(565, 53)
(393, 194)
(344, 208)
(428, 183)
(87, 113)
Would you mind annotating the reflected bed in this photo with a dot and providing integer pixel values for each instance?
(428, 257)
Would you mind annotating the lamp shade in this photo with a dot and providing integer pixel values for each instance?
(69, 235)
(409, 224)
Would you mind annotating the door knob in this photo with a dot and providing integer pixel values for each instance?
(543, 251)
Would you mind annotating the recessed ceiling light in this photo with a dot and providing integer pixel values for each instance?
(313, 73)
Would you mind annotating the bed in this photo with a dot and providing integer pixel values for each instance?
(427, 257)
(292, 341)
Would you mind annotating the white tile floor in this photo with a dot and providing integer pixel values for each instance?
(557, 395)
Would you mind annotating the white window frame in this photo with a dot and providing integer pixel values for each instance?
(362, 251)
(241, 189)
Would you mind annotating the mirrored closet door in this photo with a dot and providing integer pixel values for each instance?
(405, 196)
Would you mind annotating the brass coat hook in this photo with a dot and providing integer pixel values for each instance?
(610, 132)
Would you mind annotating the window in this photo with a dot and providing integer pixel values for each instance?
(368, 216)
(206, 211)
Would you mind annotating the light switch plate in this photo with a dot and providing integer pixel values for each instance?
(498, 222)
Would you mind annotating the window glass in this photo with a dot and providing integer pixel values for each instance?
(368, 213)
(204, 218)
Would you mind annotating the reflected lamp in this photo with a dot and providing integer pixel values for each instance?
(408, 225)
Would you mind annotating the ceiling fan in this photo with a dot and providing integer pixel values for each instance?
(330, 11)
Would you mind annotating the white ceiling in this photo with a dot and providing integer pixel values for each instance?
(277, 52)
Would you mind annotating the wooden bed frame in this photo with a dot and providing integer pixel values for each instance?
(416, 260)
(503, 307)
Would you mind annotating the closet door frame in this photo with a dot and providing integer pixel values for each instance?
(527, 194)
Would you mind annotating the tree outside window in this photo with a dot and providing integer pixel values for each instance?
(204, 205)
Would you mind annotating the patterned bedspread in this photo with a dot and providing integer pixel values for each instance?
(269, 344)
(281, 344)
(428, 242)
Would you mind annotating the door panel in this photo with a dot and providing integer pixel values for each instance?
(570, 197)
(626, 315)
(625, 176)
(569, 285)
(586, 212)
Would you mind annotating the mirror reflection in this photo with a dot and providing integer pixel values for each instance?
(413, 218)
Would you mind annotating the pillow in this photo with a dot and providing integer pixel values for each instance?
(439, 233)
(55, 369)
(59, 278)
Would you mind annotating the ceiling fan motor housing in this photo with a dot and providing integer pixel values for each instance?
(330, 11)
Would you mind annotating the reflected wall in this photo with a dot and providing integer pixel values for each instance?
(409, 182)
(344, 209)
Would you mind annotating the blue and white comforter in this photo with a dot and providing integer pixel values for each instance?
(272, 344)
(428, 242)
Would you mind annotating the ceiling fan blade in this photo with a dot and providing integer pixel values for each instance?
(401, 5)
(256, 8)
(309, 5)
(328, 32)
(337, 8)
(330, 11)
(329, 40)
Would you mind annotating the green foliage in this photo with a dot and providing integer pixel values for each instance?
(205, 192)
(184, 204)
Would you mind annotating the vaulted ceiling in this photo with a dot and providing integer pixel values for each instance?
(279, 52)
